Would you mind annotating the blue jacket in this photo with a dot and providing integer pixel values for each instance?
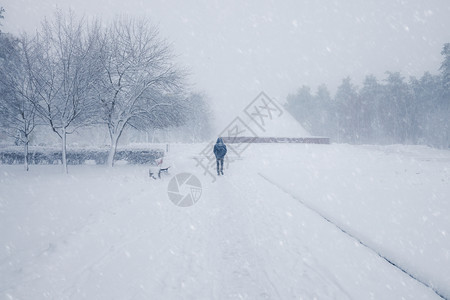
(220, 149)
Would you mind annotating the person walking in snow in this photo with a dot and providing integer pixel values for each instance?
(220, 150)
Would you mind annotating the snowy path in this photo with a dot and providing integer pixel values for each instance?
(115, 235)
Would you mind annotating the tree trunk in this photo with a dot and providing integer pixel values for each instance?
(64, 150)
(114, 134)
(26, 155)
(112, 151)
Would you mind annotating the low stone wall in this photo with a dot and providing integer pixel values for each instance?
(305, 140)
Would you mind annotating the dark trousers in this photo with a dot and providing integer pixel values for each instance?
(219, 161)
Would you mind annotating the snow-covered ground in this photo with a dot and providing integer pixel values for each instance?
(287, 221)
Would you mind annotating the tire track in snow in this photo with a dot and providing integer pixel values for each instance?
(269, 223)
(250, 218)
(244, 272)
(353, 237)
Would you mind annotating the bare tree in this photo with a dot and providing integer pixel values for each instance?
(62, 68)
(140, 86)
(18, 114)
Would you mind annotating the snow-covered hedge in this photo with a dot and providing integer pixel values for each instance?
(48, 156)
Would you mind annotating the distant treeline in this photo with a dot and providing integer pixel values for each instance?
(395, 110)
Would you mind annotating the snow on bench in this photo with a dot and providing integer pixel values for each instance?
(160, 168)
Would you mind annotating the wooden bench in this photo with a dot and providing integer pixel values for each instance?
(159, 169)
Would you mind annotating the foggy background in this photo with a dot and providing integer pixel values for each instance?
(235, 49)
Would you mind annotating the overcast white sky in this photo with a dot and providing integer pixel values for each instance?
(235, 49)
